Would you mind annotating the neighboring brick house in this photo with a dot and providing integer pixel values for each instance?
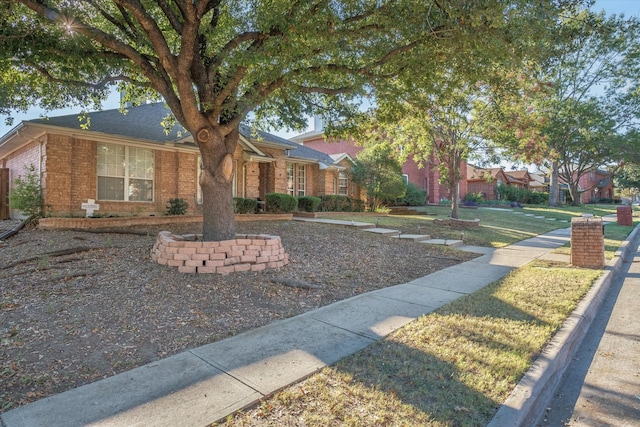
(485, 181)
(129, 165)
(521, 179)
(425, 177)
(539, 183)
(598, 184)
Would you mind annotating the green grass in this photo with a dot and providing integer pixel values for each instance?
(498, 228)
(456, 365)
(453, 367)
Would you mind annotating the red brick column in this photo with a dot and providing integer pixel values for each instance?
(587, 242)
(625, 215)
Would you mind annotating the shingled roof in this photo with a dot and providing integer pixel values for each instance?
(144, 122)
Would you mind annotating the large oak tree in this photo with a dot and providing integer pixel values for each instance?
(578, 110)
(216, 61)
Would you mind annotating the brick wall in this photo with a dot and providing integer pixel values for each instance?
(488, 189)
(84, 182)
(587, 242)
(57, 223)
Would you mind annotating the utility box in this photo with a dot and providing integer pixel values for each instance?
(587, 242)
(625, 215)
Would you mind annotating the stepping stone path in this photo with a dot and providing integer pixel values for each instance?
(422, 238)
(396, 234)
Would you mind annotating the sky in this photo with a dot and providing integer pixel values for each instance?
(626, 7)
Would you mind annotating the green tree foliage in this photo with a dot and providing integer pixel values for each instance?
(578, 110)
(213, 62)
(378, 171)
(437, 128)
(628, 178)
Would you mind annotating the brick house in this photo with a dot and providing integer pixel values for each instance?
(425, 177)
(596, 184)
(129, 165)
(485, 181)
(521, 179)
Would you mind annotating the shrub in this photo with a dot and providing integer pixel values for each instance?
(536, 198)
(337, 203)
(177, 206)
(414, 196)
(474, 197)
(244, 206)
(309, 203)
(281, 203)
(515, 194)
(608, 200)
(26, 195)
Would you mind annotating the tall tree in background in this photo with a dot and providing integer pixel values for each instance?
(379, 172)
(436, 128)
(576, 113)
(213, 62)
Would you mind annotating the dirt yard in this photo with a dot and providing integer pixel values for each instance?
(78, 306)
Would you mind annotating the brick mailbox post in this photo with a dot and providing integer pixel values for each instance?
(625, 215)
(587, 242)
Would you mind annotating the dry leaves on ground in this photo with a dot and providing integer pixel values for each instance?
(78, 306)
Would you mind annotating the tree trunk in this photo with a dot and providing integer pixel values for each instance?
(554, 185)
(216, 182)
(455, 201)
(575, 194)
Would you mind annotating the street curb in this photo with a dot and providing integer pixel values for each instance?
(529, 399)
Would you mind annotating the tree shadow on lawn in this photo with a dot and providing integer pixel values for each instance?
(451, 367)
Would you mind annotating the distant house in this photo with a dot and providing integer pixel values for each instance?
(520, 179)
(128, 164)
(485, 181)
(424, 176)
(539, 183)
(596, 184)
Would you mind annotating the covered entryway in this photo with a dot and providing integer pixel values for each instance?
(4, 193)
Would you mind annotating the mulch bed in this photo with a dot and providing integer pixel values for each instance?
(79, 306)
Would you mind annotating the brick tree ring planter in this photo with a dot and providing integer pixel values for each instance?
(249, 252)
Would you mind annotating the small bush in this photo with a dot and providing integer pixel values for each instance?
(413, 196)
(474, 197)
(521, 195)
(244, 206)
(609, 200)
(281, 203)
(26, 195)
(177, 206)
(337, 203)
(309, 203)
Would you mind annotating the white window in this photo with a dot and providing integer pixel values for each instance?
(198, 188)
(405, 178)
(234, 184)
(290, 179)
(343, 183)
(302, 180)
(125, 173)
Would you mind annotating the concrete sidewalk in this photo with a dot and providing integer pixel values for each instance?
(205, 384)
